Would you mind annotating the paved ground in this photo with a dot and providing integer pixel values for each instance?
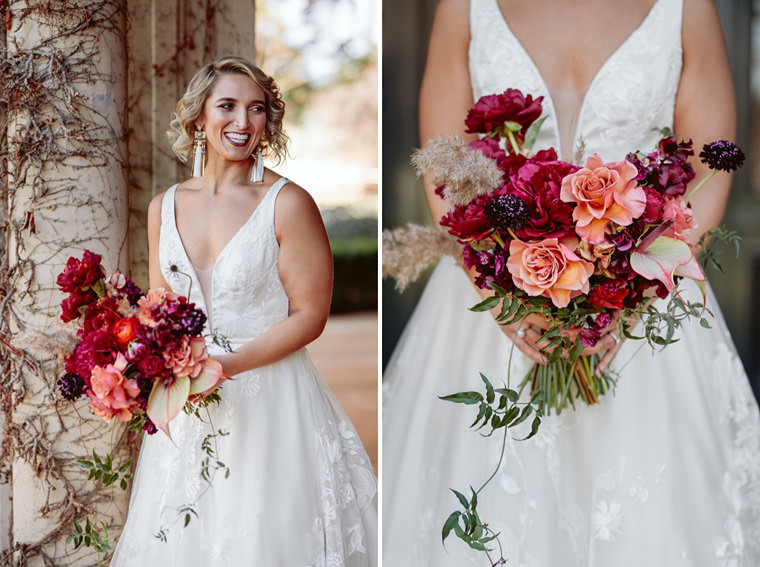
(346, 356)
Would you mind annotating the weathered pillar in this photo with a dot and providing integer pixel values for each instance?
(64, 95)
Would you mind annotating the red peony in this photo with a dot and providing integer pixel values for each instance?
(538, 184)
(97, 348)
(468, 222)
(79, 275)
(492, 111)
(151, 365)
(101, 314)
(72, 304)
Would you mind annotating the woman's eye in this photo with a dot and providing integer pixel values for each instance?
(258, 108)
(225, 106)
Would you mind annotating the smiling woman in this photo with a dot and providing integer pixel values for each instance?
(251, 250)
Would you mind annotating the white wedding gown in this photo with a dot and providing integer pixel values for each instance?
(663, 472)
(301, 491)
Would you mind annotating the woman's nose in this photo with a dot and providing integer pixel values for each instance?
(241, 119)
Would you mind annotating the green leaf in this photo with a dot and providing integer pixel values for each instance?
(531, 134)
(489, 389)
(469, 398)
(84, 464)
(462, 500)
(452, 521)
(533, 428)
(486, 305)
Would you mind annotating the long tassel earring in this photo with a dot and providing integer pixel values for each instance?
(199, 152)
(257, 173)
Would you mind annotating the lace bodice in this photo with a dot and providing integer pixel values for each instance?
(247, 296)
(626, 103)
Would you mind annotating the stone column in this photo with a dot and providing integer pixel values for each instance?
(65, 84)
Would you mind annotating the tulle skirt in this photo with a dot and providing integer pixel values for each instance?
(664, 471)
(301, 490)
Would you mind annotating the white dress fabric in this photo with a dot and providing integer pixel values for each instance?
(301, 489)
(663, 472)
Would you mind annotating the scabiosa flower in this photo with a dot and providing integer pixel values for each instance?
(722, 155)
(71, 386)
(507, 211)
(149, 427)
(190, 318)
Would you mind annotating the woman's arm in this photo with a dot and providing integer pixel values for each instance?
(705, 107)
(305, 267)
(445, 94)
(155, 277)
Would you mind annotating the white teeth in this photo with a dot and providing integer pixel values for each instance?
(238, 137)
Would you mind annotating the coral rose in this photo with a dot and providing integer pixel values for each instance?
(187, 359)
(549, 268)
(603, 193)
(112, 394)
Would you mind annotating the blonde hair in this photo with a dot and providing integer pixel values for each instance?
(274, 141)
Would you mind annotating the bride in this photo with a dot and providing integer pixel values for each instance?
(665, 471)
(251, 248)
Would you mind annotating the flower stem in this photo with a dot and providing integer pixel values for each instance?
(702, 182)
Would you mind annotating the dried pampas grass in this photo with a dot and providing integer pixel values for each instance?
(44, 341)
(407, 252)
(465, 173)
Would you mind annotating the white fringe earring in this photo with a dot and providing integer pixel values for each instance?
(257, 172)
(199, 153)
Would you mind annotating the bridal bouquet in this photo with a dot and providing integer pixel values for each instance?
(583, 246)
(140, 356)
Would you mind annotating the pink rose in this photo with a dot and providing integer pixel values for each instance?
(111, 394)
(187, 359)
(549, 268)
(679, 212)
(603, 193)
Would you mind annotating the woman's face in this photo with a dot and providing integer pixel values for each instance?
(234, 117)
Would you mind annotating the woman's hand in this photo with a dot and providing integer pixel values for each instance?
(527, 333)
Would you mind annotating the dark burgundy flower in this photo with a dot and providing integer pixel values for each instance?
(491, 267)
(609, 293)
(151, 365)
(667, 169)
(190, 319)
(722, 155)
(78, 275)
(149, 427)
(491, 111)
(593, 327)
(132, 291)
(622, 240)
(506, 211)
(71, 386)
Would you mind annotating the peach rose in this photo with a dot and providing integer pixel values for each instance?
(549, 268)
(112, 395)
(187, 359)
(151, 299)
(603, 193)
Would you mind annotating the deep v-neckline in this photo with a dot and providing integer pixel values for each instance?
(239, 231)
(193, 270)
(595, 78)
